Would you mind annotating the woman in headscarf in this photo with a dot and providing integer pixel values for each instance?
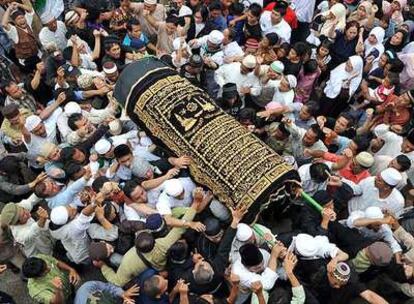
(373, 47)
(397, 41)
(345, 44)
(364, 15)
(394, 10)
(335, 18)
(343, 82)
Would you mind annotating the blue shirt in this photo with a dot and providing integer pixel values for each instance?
(67, 195)
(135, 43)
(97, 289)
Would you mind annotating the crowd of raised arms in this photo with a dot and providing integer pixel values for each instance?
(93, 211)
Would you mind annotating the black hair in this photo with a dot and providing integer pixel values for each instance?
(72, 168)
(178, 252)
(33, 267)
(131, 23)
(216, 5)
(73, 118)
(394, 78)
(67, 53)
(285, 46)
(247, 113)
(310, 66)
(150, 288)
(318, 131)
(122, 150)
(326, 44)
(313, 107)
(236, 8)
(232, 33)
(144, 242)
(282, 128)
(98, 183)
(66, 154)
(301, 48)
(318, 172)
(397, 66)
(362, 142)
(172, 19)
(255, 9)
(348, 117)
(130, 187)
(404, 162)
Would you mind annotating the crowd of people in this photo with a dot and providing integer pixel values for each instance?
(328, 85)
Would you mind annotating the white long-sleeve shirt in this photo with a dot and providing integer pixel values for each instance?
(33, 238)
(384, 233)
(58, 37)
(367, 195)
(282, 29)
(230, 73)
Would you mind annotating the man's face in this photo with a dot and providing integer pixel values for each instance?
(55, 154)
(355, 167)
(406, 146)
(284, 85)
(394, 164)
(40, 130)
(14, 90)
(113, 77)
(215, 14)
(162, 284)
(404, 100)
(52, 25)
(408, 270)
(273, 75)
(15, 120)
(79, 174)
(379, 183)
(171, 28)
(341, 125)
(21, 21)
(257, 269)
(150, 7)
(275, 17)
(226, 39)
(310, 138)
(334, 282)
(52, 188)
(304, 113)
(216, 238)
(78, 155)
(24, 216)
(135, 31)
(139, 195)
(115, 51)
(126, 160)
(251, 18)
(82, 122)
(245, 70)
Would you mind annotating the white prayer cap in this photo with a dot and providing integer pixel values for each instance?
(71, 108)
(292, 81)
(391, 176)
(46, 18)
(173, 187)
(150, 2)
(374, 213)
(140, 167)
(244, 232)
(365, 159)
(185, 11)
(32, 122)
(277, 66)
(249, 62)
(219, 210)
(177, 44)
(109, 68)
(85, 81)
(215, 37)
(117, 140)
(70, 16)
(115, 127)
(59, 215)
(306, 245)
(102, 146)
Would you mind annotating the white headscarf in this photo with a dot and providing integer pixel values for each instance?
(339, 11)
(339, 75)
(379, 33)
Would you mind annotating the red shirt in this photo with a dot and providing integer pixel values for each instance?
(290, 16)
(346, 172)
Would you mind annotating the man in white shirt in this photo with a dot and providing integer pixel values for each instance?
(378, 191)
(178, 192)
(256, 265)
(273, 22)
(242, 74)
(53, 33)
(372, 224)
(34, 237)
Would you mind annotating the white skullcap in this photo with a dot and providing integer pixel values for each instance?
(140, 167)
(306, 245)
(71, 108)
(391, 176)
(150, 2)
(85, 81)
(374, 213)
(102, 146)
(365, 159)
(177, 43)
(215, 37)
(46, 18)
(277, 66)
(59, 215)
(244, 232)
(219, 210)
(292, 81)
(249, 62)
(173, 187)
(119, 140)
(32, 122)
(110, 70)
(70, 16)
(115, 127)
(185, 11)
